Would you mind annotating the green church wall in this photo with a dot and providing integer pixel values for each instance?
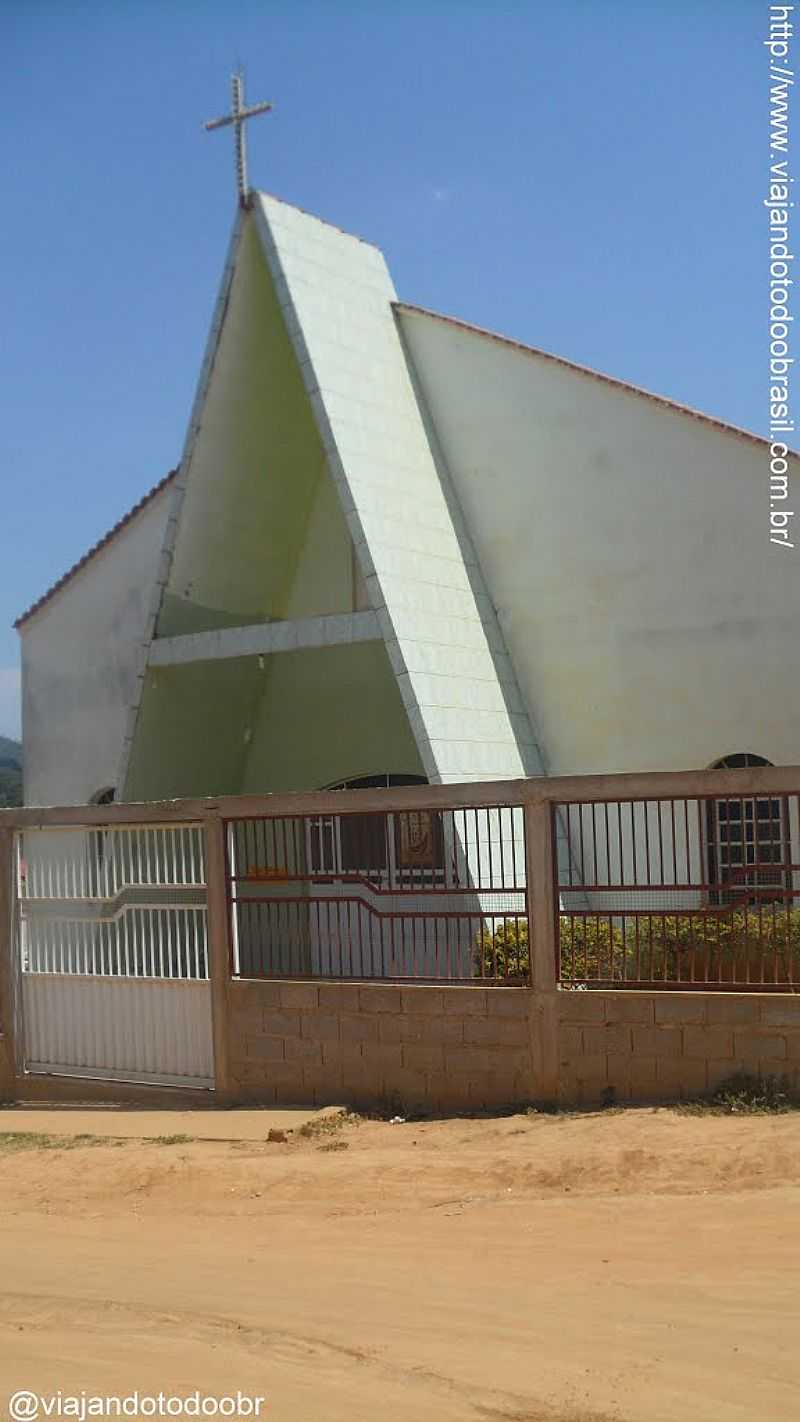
(300, 721)
(193, 722)
(328, 715)
(262, 535)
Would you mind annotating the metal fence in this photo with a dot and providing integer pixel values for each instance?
(684, 892)
(425, 895)
(679, 880)
(117, 902)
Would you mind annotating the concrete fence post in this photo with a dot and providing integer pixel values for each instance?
(8, 1052)
(219, 952)
(542, 937)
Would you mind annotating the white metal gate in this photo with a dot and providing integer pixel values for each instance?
(113, 954)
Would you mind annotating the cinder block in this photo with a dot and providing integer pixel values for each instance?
(265, 1049)
(247, 1024)
(632, 1007)
(342, 1053)
(257, 1094)
(324, 1083)
(657, 1041)
(282, 1024)
(251, 1073)
(422, 1001)
(408, 1087)
(776, 1066)
(732, 1010)
(489, 1091)
(358, 1029)
(293, 1093)
(792, 1040)
(682, 1076)
(469, 1060)
(421, 1058)
(285, 1074)
(674, 1008)
(577, 1092)
(718, 1071)
(301, 1049)
(444, 1030)
(781, 1013)
(449, 1096)
(593, 1069)
(300, 997)
(633, 1078)
(320, 1026)
(581, 1007)
(509, 1002)
(380, 999)
(382, 1057)
(749, 1047)
(570, 1041)
(254, 996)
(359, 1089)
(705, 1042)
(488, 1031)
(613, 1037)
(339, 997)
(465, 1002)
(507, 1061)
(397, 1027)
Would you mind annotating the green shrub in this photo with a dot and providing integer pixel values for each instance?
(725, 946)
(728, 946)
(504, 953)
(743, 1095)
(594, 950)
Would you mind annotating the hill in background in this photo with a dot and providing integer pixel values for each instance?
(10, 772)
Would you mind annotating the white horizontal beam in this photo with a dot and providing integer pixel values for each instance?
(265, 639)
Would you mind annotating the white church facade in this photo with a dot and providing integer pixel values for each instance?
(397, 545)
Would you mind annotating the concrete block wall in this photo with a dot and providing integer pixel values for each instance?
(379, 1045)
(643, 1046)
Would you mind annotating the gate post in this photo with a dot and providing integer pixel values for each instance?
(8, 947)
(219, 961)
(542, 939)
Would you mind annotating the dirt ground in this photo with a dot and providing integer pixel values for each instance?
(624, 1265)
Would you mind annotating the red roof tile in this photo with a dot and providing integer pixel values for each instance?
(102, 543)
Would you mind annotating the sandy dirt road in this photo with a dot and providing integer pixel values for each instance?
(637, 1265)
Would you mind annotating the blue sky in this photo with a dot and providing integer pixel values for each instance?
(584, 177)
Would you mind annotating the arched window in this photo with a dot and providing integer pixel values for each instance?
(393, 848)
(748, 841)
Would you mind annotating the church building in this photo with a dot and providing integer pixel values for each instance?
(398, 547)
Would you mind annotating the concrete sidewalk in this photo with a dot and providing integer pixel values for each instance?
(246, 1124)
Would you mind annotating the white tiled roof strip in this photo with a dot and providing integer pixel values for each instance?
(437, 620)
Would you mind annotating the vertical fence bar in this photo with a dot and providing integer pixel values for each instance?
(219, 951)
(8, 967)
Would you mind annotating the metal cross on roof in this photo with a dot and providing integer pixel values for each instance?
(238, 115)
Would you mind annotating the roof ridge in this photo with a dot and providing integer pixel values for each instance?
(614, 380)
(96, 548)
(356, 236)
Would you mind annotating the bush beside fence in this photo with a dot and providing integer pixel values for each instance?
(747, 946)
